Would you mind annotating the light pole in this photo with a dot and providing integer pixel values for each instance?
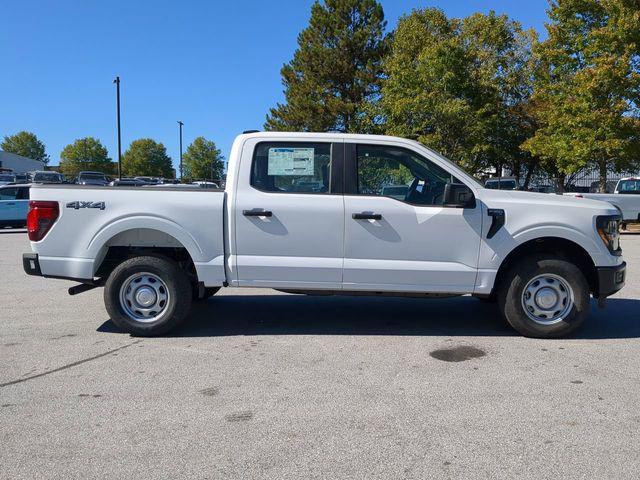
(117, 82)
(180, 124)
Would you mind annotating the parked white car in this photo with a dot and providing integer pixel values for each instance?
(626, 199)
(155, 249)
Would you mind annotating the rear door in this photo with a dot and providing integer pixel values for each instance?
(289, 214)
(398, 234)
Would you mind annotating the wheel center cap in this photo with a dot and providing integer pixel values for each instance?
(546, 298)
(145, 296)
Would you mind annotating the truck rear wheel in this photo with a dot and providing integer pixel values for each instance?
(544, 297)
(147, 296)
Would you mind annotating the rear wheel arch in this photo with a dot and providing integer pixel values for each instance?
(135, 242)
(558, 246)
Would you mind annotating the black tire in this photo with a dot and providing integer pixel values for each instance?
(208, 292)
(510, 296)
(175, 309)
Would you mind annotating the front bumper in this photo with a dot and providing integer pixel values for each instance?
(31, 264)
(611, 279)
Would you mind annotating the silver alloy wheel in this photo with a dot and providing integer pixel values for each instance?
(547, 299)
(144, 297)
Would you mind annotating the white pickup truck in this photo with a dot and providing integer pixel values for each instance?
(306, 213)
(626, 199)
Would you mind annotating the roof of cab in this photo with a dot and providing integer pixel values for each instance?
(354, 137)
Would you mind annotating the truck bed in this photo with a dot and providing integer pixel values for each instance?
(629, 205)
(104, 217)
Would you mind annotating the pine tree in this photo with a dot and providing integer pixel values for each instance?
(336, 70)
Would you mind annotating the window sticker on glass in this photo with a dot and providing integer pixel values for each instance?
(290, 161)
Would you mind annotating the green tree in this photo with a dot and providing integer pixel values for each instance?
(203, 160)
(502, 68)
(336, 70)
(588, 88)
(460, 87)
(85, 154)
(25, 144)
(146, 157)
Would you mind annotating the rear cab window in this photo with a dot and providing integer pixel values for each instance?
(629, 186)
(292, 167)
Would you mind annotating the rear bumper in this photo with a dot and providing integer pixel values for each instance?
(31, 264)
(52, 267)
(611, 279)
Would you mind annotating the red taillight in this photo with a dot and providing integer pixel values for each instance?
(41, 217)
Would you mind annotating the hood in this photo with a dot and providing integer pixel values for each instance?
(545, 200)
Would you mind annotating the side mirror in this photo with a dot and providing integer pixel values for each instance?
(458, 195)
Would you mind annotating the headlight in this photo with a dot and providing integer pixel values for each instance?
(608, 229)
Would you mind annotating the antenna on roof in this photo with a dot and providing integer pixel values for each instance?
(250, 131)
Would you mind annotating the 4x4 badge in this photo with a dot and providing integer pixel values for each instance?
(79, 205)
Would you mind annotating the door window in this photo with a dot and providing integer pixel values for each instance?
(292, 167)
(401, 174)
(8, 193)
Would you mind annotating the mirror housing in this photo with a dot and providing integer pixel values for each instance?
(458, 195)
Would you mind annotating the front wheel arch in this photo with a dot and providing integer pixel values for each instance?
(560, 247)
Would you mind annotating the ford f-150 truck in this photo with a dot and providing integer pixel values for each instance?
(626, 199)
(310, 213)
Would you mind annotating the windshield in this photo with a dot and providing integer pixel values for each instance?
(7, 178)
(629, 186)
(458, 166)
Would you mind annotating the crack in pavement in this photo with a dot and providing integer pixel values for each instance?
(69, 365)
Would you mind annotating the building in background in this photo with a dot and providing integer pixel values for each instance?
(10, 162)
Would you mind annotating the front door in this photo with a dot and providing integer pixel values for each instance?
(289, 215)
(398, 234)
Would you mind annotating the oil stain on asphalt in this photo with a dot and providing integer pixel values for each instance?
(210, 392)
(457, 354)
(239, 417)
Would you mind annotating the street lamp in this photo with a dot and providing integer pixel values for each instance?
(117, 82)
(181, 124)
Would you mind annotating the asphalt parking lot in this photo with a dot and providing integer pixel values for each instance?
(267, 385)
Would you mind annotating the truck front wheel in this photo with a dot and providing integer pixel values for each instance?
(147, 296)
(544, 297)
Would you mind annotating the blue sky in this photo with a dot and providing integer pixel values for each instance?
(215, 65)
